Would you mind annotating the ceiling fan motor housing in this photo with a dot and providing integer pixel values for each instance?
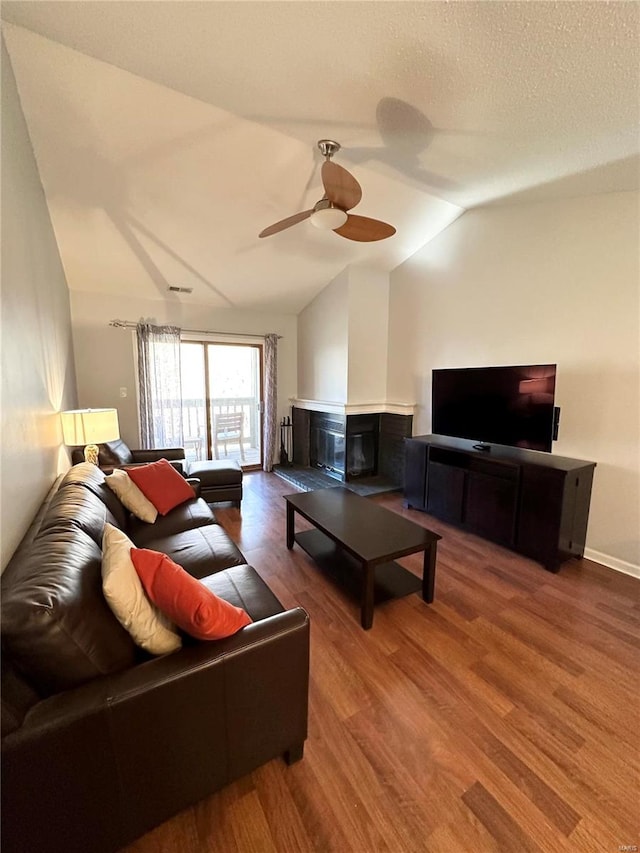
(325, 204)
(328, 147)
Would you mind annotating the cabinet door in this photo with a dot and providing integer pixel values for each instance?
(415, 473)
(490, 508)
(445, 491)
(541, 500)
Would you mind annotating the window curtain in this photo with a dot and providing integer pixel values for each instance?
(160, 386)
(270, 400)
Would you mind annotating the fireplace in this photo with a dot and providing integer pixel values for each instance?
(348, 447)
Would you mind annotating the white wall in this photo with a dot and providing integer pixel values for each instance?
(368, 336)
(342, 340)
(547, 282)
(106, 359)
(38, 377)
(323, 329)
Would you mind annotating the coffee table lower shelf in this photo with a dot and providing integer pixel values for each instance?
(391, 580)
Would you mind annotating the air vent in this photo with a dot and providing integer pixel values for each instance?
(173, 289)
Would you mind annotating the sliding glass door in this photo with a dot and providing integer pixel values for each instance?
(221, 401)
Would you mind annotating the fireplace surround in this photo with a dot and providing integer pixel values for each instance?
(350, 447)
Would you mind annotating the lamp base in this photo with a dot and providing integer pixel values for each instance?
(91, 452)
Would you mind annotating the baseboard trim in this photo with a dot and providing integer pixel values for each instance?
(612, 562)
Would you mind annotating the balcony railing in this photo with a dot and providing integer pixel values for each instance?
(194, 426)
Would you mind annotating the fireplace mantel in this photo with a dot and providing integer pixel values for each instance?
(354, 408)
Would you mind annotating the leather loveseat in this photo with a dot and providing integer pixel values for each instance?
(100, 741)
(219, 480)
(118, 454)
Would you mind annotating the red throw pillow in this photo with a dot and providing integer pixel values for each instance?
(186, 601)
(162, 485)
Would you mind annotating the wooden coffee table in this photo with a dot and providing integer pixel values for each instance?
(356, 541)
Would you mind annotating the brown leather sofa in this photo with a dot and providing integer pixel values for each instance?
(101, 742)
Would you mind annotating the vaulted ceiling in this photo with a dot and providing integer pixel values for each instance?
(169, 134)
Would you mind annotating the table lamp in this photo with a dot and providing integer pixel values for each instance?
(90, 427)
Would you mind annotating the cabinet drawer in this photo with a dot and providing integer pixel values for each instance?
(491, 468)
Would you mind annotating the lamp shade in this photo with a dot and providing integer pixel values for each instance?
(90, 426)
(328, 218)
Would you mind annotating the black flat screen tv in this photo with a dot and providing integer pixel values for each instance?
(496, 405)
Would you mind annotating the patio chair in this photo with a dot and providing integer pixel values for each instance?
(228, 429)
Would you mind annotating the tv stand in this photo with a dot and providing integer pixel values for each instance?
(535, 503)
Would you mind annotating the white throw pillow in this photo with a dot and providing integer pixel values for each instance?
(125, 595)
(130, 495)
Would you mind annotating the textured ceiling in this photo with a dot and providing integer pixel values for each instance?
(169, 134)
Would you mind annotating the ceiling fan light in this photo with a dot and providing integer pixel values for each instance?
(328, 218)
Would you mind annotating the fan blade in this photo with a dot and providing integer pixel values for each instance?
(285, 223)
(340, 186)
(364, 230)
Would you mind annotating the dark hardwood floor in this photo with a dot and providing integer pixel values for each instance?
(503, 717)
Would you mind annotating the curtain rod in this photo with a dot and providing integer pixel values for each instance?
(127, 324)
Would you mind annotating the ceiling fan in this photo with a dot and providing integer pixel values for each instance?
(341, 193)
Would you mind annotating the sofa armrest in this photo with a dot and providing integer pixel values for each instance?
(77, 455)
(196, 485)
(175, 455)
(155, 453)
(163, 735)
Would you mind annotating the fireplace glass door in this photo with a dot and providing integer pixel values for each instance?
(361, 456)
(329, 451)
